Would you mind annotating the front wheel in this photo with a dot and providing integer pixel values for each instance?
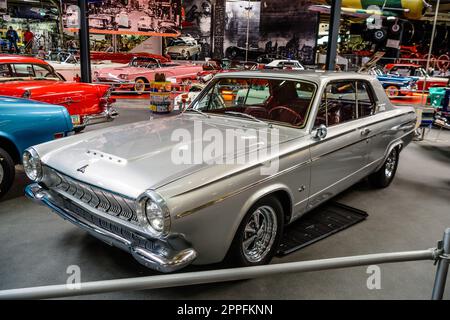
(7, 172)
(259, 234)
(79, 129)
(140, 85)
(384, 176)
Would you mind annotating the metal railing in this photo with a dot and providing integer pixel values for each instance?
(440, 254)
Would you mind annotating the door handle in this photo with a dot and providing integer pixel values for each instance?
(365, 131)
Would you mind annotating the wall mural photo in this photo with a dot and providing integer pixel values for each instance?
(133, 17)
(276, 29)
(197, 24)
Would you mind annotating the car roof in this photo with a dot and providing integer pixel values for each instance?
(316, 76)
(11, 58)
(284, 60)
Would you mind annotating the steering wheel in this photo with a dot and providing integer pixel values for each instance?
(297, 115)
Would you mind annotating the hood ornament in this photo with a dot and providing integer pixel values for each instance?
(82, 169)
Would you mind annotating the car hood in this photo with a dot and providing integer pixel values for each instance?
(391, 77)
(131, 158)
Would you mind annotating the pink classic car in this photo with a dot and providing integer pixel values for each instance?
(141, 71)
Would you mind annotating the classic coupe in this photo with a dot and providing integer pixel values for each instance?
(138, 74)
(395, 85)
(424, 81)
(126, 185)
(24, 123)
(183, 48)
(35, 79)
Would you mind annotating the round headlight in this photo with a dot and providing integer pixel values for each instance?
(153, 214)
(32, 164)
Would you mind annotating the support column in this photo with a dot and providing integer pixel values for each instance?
(333, 34)
(85, 58)
(218, 28)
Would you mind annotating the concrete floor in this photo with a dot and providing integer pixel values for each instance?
(37, 246)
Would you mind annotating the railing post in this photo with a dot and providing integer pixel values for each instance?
(442, 268)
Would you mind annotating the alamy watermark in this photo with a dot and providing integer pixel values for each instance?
(229, 146)
(374, 280)
(74, 279)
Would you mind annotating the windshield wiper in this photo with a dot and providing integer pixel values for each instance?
(198, 111)
(249, 116)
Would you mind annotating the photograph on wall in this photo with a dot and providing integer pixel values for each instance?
(196, 25)
(133, 17)
(275, 28)
(242, 20)
(289, 29)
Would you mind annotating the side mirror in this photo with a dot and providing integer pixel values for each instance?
(321, 132)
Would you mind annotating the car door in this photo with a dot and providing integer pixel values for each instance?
(372, 122)
(338, 158)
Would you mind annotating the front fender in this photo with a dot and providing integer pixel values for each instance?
(261, 193)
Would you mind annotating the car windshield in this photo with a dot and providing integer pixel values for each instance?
(144, 63)
(286, 102)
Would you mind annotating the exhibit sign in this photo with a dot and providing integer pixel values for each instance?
(130, 17)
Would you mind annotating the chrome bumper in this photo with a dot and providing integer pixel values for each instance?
(108, 115)
(161, 257)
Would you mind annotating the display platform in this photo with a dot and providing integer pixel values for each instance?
(318, 224)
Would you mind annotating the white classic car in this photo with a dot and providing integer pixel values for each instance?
(146, 24)
(285, 64)
(126, 185)
(183, 48)
(68, 65)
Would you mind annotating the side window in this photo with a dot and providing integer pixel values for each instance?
(338, 104)
(366, 103)
(43, 72)
(5, 71)
(23, 70)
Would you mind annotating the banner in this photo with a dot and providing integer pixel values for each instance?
(132, 17)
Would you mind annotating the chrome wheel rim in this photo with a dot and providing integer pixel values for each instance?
(139, 86)
(259, 234)
(390, 164)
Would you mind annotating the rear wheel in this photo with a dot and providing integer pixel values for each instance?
(258, 237)
(384, 176)
(7, 172)
(392, 91)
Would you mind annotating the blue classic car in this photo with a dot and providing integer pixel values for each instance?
(395, 85)
(24, 123)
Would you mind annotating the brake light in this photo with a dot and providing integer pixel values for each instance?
(58, 135)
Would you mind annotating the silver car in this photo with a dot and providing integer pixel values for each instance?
(321, 133)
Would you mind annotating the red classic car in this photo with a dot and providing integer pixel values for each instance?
(35, 79)
(142, 70)
(416, 71)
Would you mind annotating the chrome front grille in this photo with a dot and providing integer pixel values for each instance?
(97, 198)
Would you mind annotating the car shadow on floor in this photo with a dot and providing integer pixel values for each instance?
(18, 187)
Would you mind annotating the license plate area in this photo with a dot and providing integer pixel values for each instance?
(76, 119)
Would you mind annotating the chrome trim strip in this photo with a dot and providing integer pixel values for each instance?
(240, 190)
